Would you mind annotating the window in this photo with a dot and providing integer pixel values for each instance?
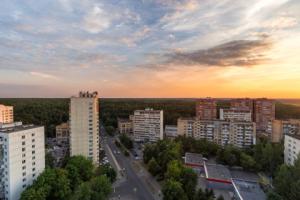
(33, 146)
(24, 179)
(23, 143)
(33, 152)
(23, 161)
(24, 186)
(24, 167)
(33, 157)
(24, 173)
(33, 169)
(23, 155)
(23, 149)
(33, 163)
(23, 136)
(33, 140)
(32, 134)
(33, 175)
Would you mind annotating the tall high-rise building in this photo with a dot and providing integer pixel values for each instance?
(84, 126)
(22, 158)
(148, 125)
(62, 133)
(206, 109)
(263, 112)
(6, 114)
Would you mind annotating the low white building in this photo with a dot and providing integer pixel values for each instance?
(235, 115)
(22, 158)
(148, 125)
(291, 148)
(171, 131)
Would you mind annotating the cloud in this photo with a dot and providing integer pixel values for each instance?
(233, 53)
(96, 20)
(44, 75)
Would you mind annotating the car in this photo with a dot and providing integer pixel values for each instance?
(118, 152)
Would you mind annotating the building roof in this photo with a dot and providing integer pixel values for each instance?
(217, 172)
(18, 128)
(248, 190)
(193, 159)
(294, 136)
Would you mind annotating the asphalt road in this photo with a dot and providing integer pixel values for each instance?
(129, 186)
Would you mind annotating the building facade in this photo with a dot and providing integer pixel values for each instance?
(185, 126)
(263, 112)
(291, 148)
(171, 131)
(125, 126)
(62, 133)
(84, 126)
(148, 125)
(242, 104)
(6, 114)
(278, 128)
(235, 115)
(241, 134)
(22, 158)
(206, 109)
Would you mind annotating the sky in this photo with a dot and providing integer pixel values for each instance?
(150, 48)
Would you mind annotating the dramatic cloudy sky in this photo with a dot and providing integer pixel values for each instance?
(150, 48)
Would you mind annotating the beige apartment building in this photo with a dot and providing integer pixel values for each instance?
(278, 128)
(84, 126)
(148, 125)
(6, 114)
(62, 133)
(241, 134)
(125, 126)
(185, 126)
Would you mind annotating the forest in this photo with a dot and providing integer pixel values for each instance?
(53, 111)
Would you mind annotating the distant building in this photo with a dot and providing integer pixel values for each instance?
(84, 126)
(278, 128)
(148, 125)
(22, 158)
(206, 109)
(245, 104)
(291, 148)
(6, 114)
(185, 127)
(125, 126)
(62, 133)
(171, 131)
(235, 115)
(263, 112)
(247, 190)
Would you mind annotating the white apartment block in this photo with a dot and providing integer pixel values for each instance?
(235, 115)
(22, 158)
(148, 125)
(205, 129)
(291, 148)
(243, 134)
(84, 126)
(6, 114)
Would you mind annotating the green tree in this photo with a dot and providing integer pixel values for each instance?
(110, 130)
(174, 170)
(282, 181)
(172, 190)
(32, 193)
(189, 181)
(84, 167)
(108, 171)
(49, 160)
(101, 185)
(153, 167)
(60, 190)
(83, 192)
(247, 162)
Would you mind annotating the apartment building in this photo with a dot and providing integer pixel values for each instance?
(291, 148)
(263, 112)
(206, 109)
(278, 128)
(22, 158)
(234, 114)
(241, 134)
(125, 126)
(148, 125)
(84, 126)
(62, 133)
(6, 114)
(171, 131)
(185, 126)
(242, 104)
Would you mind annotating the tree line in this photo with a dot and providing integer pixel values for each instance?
(77, 180)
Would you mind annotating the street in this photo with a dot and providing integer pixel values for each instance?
(133, 181)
